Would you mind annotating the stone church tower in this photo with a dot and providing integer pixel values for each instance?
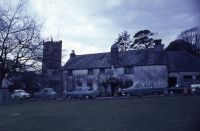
(51, 65)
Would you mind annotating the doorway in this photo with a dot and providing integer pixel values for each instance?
(172, 81)
(113, 88)
(113, 83)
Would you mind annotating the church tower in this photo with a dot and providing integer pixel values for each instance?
(51, 55)
(51, 65)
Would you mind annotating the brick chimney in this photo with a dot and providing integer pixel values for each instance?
(114, 54)
(158, 46)
(72, 55)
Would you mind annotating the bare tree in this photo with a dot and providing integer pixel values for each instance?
(124, 41)
(20, 43)
(192, 36)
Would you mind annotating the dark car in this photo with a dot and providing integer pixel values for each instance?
(137, 90)
(45, 93)
(82, 92)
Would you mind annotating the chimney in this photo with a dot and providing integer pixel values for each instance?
(158, 41)
(72, 55)
(114, 54)
(158, 46)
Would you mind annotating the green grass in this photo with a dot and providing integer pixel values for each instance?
(180, 113)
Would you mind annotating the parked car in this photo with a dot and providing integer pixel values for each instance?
(99, 93)
(82, 92)
(45, 93)
(20, 93)
(177, 89)
(137, 90)
(195, 89)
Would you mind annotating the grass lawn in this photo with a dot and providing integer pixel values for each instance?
(178, 113)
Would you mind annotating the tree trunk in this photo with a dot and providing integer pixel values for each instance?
(1, 81)
(2, 76)
(4, 92)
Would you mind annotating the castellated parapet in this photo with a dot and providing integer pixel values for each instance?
(52, 55)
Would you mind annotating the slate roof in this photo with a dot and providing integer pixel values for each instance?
(182, 61)
(126, 58)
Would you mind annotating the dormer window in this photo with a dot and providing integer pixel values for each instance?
(90, 71)
(128, 70)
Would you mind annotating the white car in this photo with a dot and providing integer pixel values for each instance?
(20, 93)
(195, 89)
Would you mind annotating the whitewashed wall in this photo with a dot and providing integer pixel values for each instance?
(147, 75)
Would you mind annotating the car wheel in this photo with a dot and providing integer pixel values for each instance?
(139, 95)
(87, 97)
(156, 93)
(43, 97)
(128, 94)
(34, 98)
(37, 98)
(13, 97)
(94, 96)
(69, 97)
(197, 91)
(21, 97)
(54, 98)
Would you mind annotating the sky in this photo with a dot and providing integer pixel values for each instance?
(91, 26)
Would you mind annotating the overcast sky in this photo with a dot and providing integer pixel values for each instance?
(90, 26)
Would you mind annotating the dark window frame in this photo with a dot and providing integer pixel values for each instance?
(79, 83)
(188, 77)
(102, 71)
(198, 77)
(129, 70)
(90, 71)
(69, 72)
(89, 84)
(128, 83)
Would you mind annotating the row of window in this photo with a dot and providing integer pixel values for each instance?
(190, 77)
(79, 84)
(127, 70)
(127, 83)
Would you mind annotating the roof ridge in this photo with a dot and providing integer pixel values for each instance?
(93, 54)
(151, 49)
